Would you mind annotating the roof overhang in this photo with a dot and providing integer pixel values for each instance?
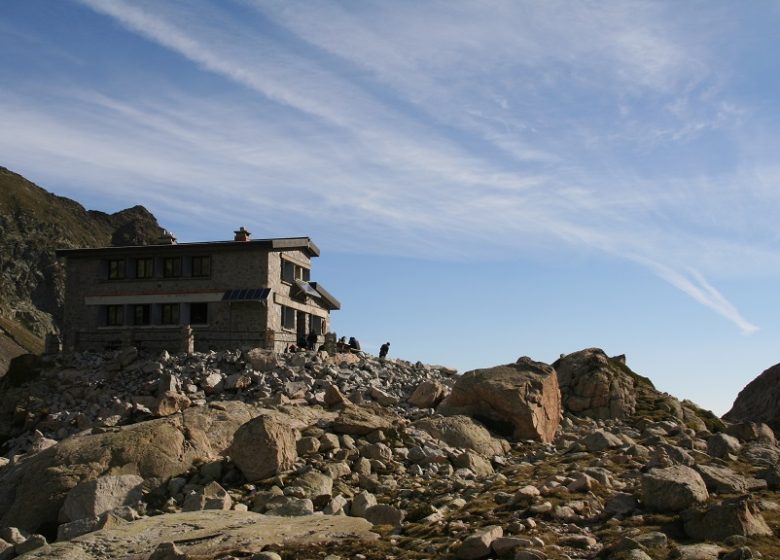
(304, 244)
(330, 302)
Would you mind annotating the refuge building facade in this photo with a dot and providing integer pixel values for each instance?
(203, 296)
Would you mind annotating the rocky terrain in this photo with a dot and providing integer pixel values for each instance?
(239, 455)
(33, 223)
(759, 401)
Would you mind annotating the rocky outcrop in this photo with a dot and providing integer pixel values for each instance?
(522, 399)
(759, 401)
(207, 534)
(720, 521)
(365, 453)
(596, 386)
(33, 489)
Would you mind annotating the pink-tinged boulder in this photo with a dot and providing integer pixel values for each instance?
(263, 447)
(522, 398)
(673, 489)
(428, 394)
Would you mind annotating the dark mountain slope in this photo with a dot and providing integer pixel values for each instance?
(33, 223)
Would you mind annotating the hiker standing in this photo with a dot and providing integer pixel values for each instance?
(383, 350)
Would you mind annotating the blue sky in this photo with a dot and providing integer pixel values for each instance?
(485, 179)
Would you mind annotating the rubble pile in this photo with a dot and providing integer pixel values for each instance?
(309, 455)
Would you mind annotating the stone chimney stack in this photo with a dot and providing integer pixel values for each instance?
(167, 238)
(242, 234)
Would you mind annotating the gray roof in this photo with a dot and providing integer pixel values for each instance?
(277, 244)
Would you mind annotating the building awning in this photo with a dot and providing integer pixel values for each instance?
(247, 294)
(330, 302)
(307, 289)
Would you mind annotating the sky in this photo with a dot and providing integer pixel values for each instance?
(486, 179)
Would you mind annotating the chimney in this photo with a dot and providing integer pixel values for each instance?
(241, 234)
(167, 238)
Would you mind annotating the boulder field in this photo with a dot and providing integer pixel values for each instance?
(251, 454)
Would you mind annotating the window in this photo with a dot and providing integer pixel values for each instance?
(115, 315)
(171, 267)
(315, 324)
(141, 314)
(288, 317)
(116, 269)
(201, 266)
(199, 313)
(144, 268)
(170, 314)
(292, 272)
(288, 271)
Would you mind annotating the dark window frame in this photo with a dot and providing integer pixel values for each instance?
(115, 315)
(172, 267)
(201, 267)
(287, 313)
(144, 267)
(170, 313)
(117, 269)
(144, 310)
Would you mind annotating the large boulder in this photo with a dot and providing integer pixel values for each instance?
(428, 394)
(207, 534)
(359, 421)
(463, 432)
(263, 447)
(720, 521)
(33, 490)
(521, 399)
(759, 401)
(95, 497)
(673, 489)
(595, 385)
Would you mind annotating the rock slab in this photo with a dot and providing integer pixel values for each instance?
(521, 398)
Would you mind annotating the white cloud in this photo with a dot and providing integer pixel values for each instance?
(468, 128)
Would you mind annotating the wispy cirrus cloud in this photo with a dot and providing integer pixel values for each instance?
(478, 128)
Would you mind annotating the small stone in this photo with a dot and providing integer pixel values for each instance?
(382, 514)
(478, 545)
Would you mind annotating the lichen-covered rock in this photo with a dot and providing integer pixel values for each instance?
(208, 534)
(752, 431)
(673, 489)
(722, 445)
(263, 447)
(720, 521)
(594, 385)
(94, 497)
(33, 490)
(464, 432)
(522, 399)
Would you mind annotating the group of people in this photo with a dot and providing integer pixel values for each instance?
(309, 342)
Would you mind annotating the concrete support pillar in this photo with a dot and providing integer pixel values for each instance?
(187, 340)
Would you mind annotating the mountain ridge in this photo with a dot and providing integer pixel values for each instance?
(33, 224)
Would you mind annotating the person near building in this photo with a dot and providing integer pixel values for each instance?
(383, 350)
